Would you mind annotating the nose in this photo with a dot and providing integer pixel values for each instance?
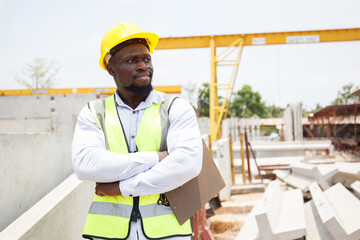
(142, 66)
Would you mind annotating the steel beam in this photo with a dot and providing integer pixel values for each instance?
(251, 39)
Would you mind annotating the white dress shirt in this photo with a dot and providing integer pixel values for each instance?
(139, 173)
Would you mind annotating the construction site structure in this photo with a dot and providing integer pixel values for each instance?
(231, 55)
(338, 123)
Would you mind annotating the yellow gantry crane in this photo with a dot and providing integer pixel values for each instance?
(234, 44)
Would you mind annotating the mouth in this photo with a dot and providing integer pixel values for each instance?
(143, 77)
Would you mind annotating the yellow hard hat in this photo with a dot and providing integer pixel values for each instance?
(122, 32)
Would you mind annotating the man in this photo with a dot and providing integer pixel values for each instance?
(136, 145)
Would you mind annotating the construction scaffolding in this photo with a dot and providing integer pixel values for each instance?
(338, 123)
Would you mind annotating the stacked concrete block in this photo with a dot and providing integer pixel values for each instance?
(324, 175)
(338, 210)
(288, 125)
(279, 215)
(298, 128)
(348, 173)
(292, 123)
(316, 230)
(348, 167)
(356, 188)
(331, 214)
(302, 175)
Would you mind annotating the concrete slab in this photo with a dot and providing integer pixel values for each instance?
(280, 215)
(281, 174)
(279, 160)
(345, 178)
(347, 209)
(59, 215)
(38, 159)
(348, 167)
(326, 212)
(356, 187)
(264, 149)
(302, 169)
(323, 174)
(291, 222)
(336, 207)
(327, 170)
(298, 181)
(314, 227)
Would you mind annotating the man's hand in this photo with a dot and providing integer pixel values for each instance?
(162, 155)
(107, 189)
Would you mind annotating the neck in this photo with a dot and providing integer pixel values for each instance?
(131, 99)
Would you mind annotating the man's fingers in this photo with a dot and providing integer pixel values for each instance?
(98, 191)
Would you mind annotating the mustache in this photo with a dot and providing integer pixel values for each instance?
(147, 73)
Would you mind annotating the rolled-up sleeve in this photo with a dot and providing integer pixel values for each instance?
(93, 162)
(183, 163)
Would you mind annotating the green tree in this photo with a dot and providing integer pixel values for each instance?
(247, 103)
(274, 111)
(39, 73)
(342, 97)
(204, 100)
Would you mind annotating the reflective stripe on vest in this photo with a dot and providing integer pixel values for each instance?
(109, 217)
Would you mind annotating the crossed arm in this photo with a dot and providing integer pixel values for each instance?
(141, 173)
(113, 189)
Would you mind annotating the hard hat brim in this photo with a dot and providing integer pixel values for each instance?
(152, 38)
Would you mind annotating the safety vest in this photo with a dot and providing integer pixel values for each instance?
(109, 217)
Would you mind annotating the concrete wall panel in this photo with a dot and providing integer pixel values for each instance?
(59, 215)
(61, 109)
(31, 165)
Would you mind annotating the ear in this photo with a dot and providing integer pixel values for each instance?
(109, 69)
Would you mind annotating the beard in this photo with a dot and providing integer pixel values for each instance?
(139, 90)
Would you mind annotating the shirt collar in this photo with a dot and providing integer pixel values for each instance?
(154, 97)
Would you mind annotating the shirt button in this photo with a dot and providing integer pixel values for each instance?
(130, 195)
(132, 137)
(133, 112)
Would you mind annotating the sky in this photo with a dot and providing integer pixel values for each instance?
(70, 32)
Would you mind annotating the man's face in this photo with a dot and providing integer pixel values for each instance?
(132, 69)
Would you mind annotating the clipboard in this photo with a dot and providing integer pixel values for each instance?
(185, 201)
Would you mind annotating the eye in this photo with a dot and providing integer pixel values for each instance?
(147, 60)
(131, 60)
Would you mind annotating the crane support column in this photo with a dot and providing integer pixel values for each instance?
(213, 89)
